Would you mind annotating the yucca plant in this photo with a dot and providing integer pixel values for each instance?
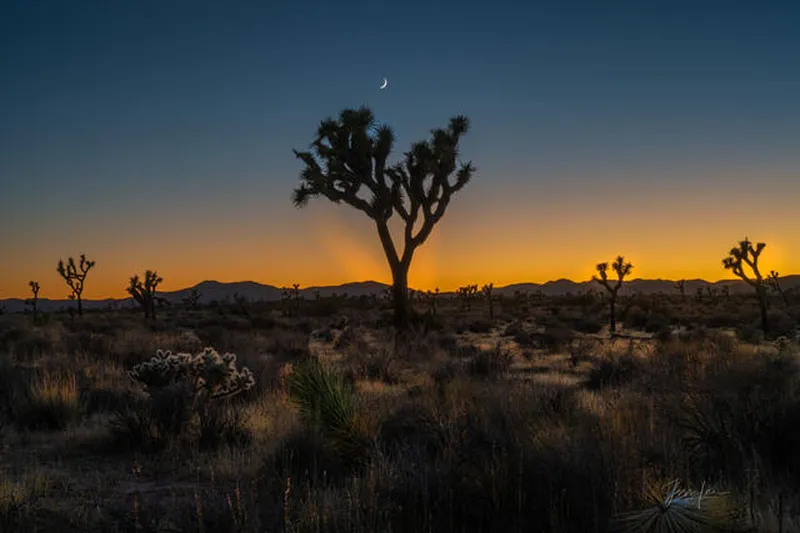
(327, 401)
(679, 510)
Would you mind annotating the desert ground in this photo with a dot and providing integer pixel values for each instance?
(533, 420)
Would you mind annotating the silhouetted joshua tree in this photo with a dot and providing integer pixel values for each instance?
(75, 276)
(748, 255)
(681, 286)
(487, 293)
(144, 292)
(350, 155)
(193, 299)
(467, 293)
(622, 269)
(34, 285)
(296, 294)
(432, 297)
(774, 282)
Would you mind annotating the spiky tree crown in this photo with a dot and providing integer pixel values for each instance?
(350, 154)
(745, 254)
(74, 274)
(619, 266)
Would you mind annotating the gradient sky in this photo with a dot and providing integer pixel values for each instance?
(158, 134)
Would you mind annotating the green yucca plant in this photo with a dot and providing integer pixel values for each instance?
(325, 399)
(678, 510)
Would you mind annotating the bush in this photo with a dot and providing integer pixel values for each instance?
(491, 363)
(181, 389)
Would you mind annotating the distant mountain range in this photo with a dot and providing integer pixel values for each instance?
(252, 291)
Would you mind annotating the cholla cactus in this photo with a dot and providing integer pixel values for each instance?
(209, 374)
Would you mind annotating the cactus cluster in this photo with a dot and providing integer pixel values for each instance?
(209, 375)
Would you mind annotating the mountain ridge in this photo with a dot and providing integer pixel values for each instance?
(211, 290)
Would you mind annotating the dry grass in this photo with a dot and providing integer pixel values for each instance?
(517, 426)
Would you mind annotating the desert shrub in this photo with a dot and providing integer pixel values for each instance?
(751, 333)
(182, 389)
(782, 324)
(513, 329)
(655, 323)
(635, 317)
(613, 371)
(328, 402)
(491, 363)
(588, 325)
(371, 364)
(556, 338)
(48, 402)
(523, 338)
(480, 326)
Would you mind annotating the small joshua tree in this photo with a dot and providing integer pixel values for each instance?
(775, 284)
(296, 294)
(432, 297)
(144, 292)
(34, 285)
(487, 293)
(467, 293)
(286, 297)
(351, 155)
(75, 277)
(622, 269)
(193, 299)
(681, 286)
(747, 254)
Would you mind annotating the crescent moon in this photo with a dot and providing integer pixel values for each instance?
(385, 83)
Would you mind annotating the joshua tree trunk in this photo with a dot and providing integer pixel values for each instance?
(762, 307)
(80, 305)
(400, 296)
(612, 319)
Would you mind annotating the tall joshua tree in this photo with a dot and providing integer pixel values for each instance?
(747, 254)
(144, 292)
(34, 285)
(350, 157)
(75, 277)
(622, 269)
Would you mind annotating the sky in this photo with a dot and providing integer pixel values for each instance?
(159, 135)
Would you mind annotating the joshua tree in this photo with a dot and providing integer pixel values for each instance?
(775, 284)
(75, 276)
(622, 269)
(747, 254)
(296, 293)
(681, 286)
(286, 297)
(193, 299)
(317, 294)
(487, 293)
(34, 285)
(351, 154)
(144, 292)
(467, 293)
(432, 296)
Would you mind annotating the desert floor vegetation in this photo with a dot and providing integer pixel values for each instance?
(532, 418)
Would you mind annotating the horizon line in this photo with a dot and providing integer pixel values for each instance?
(310, 287)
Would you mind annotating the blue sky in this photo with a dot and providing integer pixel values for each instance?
(114, 114)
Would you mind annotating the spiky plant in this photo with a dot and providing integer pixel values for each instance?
(747, 255)
(622, 269)
(328, 402)
(677, 510)
(33, 302)
(75, 277)
(144, 292)
(774, 281)
(350, 157)
(487, 291)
